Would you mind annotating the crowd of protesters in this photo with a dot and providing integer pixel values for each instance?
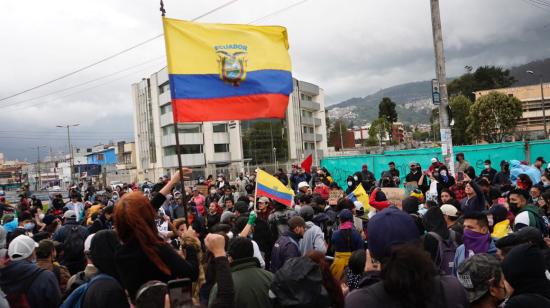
(457, 239)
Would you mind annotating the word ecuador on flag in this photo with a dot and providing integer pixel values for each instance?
(227, 72)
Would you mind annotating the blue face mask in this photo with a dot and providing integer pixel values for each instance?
(545, 184)
(28, 226)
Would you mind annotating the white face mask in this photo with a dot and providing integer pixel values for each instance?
(443, 173)
(487, 166)
(41, 216)
(350, 183)
(356, 178)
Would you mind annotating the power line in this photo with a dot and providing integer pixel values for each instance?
(82, 84)
(111, 56)
(278, 11)
(536, 5)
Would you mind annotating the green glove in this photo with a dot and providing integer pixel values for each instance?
(252, 218)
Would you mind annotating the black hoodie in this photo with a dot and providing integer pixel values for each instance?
(41, 285)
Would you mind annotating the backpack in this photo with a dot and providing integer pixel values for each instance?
(20, 299)
(540, 221)
(73, 246)
(76, 298)
(446, 249)
(279, 224)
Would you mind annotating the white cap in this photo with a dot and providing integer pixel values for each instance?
(88, 242)
(302, 184)
(21, 248)
(449, 210)
(69, 214)
(522, 218)
(434, 160)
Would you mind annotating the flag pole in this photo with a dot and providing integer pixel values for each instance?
(256, 194)
(178, 150)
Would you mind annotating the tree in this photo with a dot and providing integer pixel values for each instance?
(484, 78)
(378, 130)
(337, 131)
(460, 106)
(386, 110)
(494, 116)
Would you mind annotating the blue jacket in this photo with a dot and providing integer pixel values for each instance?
(341, 243)
(285, 247)
(460, 255)
(41, 286)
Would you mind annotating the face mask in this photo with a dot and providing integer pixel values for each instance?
(514, 207)
(28, 226)
(350, 183)
(251, 204)
(41, 216)
(355, 178)
(545, 184)
(212, 191)
(487, 167)
(219, 179)
(443, 173)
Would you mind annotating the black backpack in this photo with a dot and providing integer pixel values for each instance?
(73, 246)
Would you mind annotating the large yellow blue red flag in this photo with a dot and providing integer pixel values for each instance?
(227, 72)
(269, 186)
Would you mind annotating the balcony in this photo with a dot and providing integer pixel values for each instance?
(218, 138)
(222, 157)
(188, 138)
(166, 119)
(312, 138)
(165, 98)
(311, 121)
(186, 160)
(307, 104)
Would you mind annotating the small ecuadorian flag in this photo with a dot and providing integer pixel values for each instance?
(269, 186)
(227, 72)
(359, 194)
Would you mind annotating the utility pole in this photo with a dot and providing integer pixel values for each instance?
(446, 138)
(543, 105)
(38, 184)
(70, 147)
(341, 138)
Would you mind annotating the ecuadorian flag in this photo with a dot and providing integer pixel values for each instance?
(269, 186)
(359, 194)
(227, 72)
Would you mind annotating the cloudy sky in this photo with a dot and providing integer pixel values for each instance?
(348, 47)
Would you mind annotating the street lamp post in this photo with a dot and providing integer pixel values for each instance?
(68, 126)
(542, 103)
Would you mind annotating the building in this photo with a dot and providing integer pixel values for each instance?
(214, 147)
(361, 135)
(531, 124)
(398, 132)
(306, 124)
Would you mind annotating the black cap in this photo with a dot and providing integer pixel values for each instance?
(541, 159)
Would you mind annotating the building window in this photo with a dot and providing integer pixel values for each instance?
(308, 130)
(89, 150)
(189, 128)
(221, 148)
(184, 149)
(100, 157)
(165, 87)
(219, 128)
(165, 109)
(168, 130)
(77, 150)
(307, 114)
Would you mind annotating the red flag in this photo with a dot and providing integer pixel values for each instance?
(306, 164)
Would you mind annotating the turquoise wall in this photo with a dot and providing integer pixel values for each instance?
(342, 166)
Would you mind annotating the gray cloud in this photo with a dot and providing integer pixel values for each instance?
(350, 48)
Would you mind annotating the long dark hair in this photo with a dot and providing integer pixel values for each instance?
(329, 282)
(408, 275)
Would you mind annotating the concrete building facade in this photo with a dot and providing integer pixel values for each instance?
(531, 124)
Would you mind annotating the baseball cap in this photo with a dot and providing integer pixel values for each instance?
(263, 199)
(345, 215)
(390, 227)
(88, 243)
(302, 185)
(474, 274)
(69, 214)
(434, 160)
(307, 212)
(524, 235)
(449, 210)
(21, 248)
(412, 163)
(541, 159)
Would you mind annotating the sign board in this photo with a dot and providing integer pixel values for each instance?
(436, 97)
(394, 195)
(203, 189)
(447, 149)
(334, 196)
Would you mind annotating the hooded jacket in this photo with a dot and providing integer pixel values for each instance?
(42, 288)
(285, 247)
(313, 239)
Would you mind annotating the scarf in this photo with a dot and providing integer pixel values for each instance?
(475, 242)
(346, 225)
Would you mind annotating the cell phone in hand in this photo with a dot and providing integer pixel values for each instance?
(460, 176)
(179, 291)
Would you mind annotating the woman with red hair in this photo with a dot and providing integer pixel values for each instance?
(144, 255)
